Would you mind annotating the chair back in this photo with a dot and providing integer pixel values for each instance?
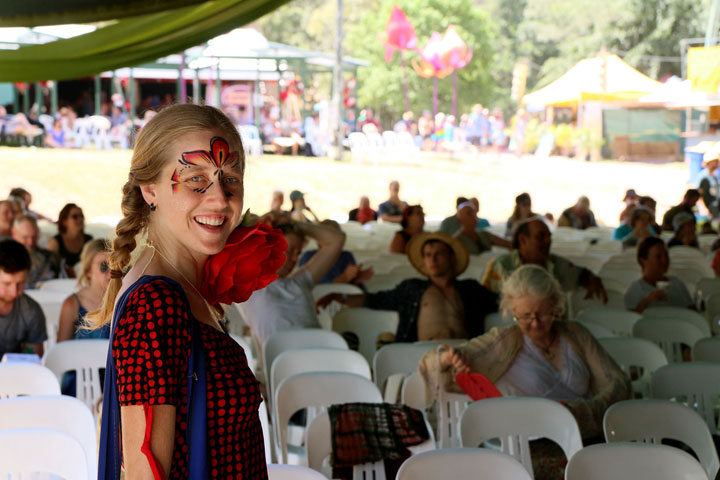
(611, 461)
(638, 358)
(397, 359)
(317, 390)
(462, 464)
(50, 302)
(669, 334)
(292, 472)
(29, 451)
(56, 412)
(707, 350)
(367, 325)
(86, 358)
(619, 322)
(598, 330)
(65, 286)
(496, 319)
(677, 313)
(514, 420)
(326, 288)
(267, 433)
(696, 384)
(637, 421)
(18, 379)
(283, 340)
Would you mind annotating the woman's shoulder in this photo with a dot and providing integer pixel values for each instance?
(157, 292)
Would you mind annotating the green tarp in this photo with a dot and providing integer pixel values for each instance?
(32, 13)
(130, 41)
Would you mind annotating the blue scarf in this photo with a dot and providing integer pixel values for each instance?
(110, 457)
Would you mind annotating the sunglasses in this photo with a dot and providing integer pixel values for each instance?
(104, 267)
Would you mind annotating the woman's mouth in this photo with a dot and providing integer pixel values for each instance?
(212, 222)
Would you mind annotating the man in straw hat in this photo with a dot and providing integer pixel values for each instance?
(531, 245)
(708, 185)
(436, 307)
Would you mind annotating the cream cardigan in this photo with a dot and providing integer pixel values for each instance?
(492, 354)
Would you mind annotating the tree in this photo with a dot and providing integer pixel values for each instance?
(380, 84)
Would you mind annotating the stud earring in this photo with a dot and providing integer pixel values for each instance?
(152, 207)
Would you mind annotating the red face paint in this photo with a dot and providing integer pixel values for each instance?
(219, 156)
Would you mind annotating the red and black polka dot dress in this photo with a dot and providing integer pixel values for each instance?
(151, 350)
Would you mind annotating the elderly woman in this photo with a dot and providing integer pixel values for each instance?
(655, 287)
(539, 356)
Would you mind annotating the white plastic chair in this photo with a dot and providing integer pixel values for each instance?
(669, 334)
(315, 391)
(267, 433)
(514, 420)
(86, 358)
(326, 288)
(367, 325)
(56, 412)
(597, 330)
(712, 311)
(462, 464)
(619, 322)
(396, 360)
(578, 303)
(319, 447)
(50, 302)
(412, 392)
(613, 461)
(283, 340)
(251, 139)
(636, 355)
(449, 409)
(695, 384)
(18, 379)
(28, 451)
(651, 421)
(65, 286)
(676, 313)
(293, 472)
(707, 350)
(100, 131)
(358, 143)
(496, 319)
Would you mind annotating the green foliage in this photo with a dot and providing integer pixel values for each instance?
(380, 85)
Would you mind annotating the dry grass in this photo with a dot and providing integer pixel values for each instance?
(93, 179)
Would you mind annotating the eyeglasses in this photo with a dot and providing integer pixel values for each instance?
(540, 317)
(104, 267)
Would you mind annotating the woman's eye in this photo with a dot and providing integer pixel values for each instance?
(230, 180)
(196, 179)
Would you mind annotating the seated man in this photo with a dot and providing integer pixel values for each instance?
(689, 200)
(531, 243)
(345, 270)
(7, 215)
(685, 234)
(451, 225)
(438, 307)
(391, 210)
(44, 263)
(22, 322)
(474, 241)
(578, 216)
(363, 213)
(287, 303)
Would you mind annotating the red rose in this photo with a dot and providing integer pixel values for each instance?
(248, 262)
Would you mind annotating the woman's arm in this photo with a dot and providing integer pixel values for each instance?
(147, 452)
(52, 245)
(397, 245)
(68, 318)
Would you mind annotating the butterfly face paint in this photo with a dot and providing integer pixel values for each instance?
(227, 172)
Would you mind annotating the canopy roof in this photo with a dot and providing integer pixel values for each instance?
(129, 41)
(605, 78)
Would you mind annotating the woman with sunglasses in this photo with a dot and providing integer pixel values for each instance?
(71, 237)
(93, 281)
(540, 356)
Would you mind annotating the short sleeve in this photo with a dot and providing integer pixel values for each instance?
(151, 346)
(633, 295)
(36, 330)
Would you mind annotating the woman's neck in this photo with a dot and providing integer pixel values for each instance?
(178, 260)
(73, 235)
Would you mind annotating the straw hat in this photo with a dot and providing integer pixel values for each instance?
(414, 251)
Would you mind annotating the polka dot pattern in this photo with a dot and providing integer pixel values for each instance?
(151, 350)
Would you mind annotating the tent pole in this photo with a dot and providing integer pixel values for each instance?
(26, 98)
(54, 98)
(16, 99)
(196, 87)
(218, 86)
(338, 83)
(97, 95)
(39, 100)
(182, 93)
(131, 95)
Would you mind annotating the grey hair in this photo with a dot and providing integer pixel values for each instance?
(535, 282)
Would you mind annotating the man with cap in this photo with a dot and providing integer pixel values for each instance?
(631, 200)
(474, 241)
(391, 210)
(578, 216)
(297, 198)
(689, 200)
(436, 307)
(708, 185)
(531, 243)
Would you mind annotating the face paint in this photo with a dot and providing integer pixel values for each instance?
(219, 156)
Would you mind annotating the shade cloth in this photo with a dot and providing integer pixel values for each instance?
(130, 41)
(604, 78)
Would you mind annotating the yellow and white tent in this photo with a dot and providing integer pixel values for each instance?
(605, 78)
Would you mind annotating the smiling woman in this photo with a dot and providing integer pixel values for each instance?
(185, 191)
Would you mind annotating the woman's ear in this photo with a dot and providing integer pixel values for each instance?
(149, 194)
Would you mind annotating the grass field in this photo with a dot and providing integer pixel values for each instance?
(93, 180)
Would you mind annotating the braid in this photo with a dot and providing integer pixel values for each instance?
(134, 221)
